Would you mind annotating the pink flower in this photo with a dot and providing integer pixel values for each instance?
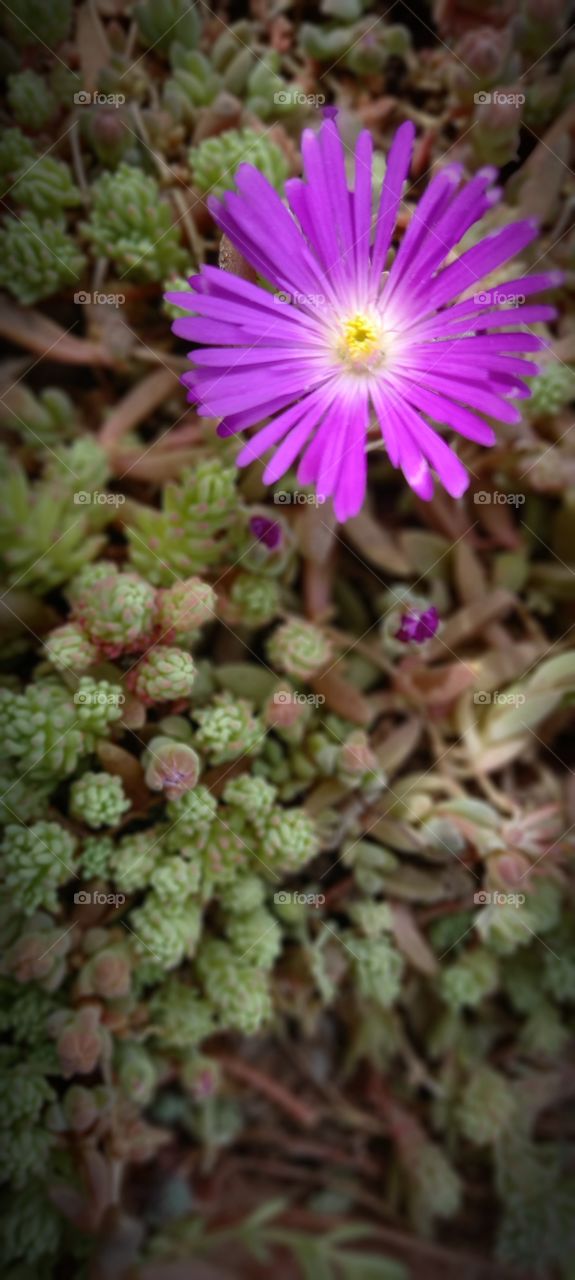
(344, 339)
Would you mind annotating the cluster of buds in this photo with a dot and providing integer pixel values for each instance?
(115, 613)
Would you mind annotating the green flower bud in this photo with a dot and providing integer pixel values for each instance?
(88, 462)
(83, 582)
(502, 928)
(99, 704)
(228, 728)
(37, 258)
(238, 991)
(254, 796)
(45, 418)
(487, 1108)
(193, 84)
(117, 612)
(16, 152)
(299, 648)
(470, 980)
(46, 187)
(215, 161)
(23, 1096)
(179, 1016)
(254, 601)
(543, 906)
(135, 858)
(35, 861)
(194, 531)
(372, 918)
(184, 607)
(243, 895)
(175, 878)
(137, 1073)
(31, 100)
(83, 1107)
(226, 849)
(96, 856)
(25, 1012)
(32, 1227)
(25, 1157)
(68, 649)
(378, 969)
(289, 839)
(163, 675)
(436, 1187)
(166, 937)
(192, 815)
(559, 971)
(544, 1033)
(160, 22)
(35, 21)
(255, 936)
(551, 391)
(132, 225)
(98, 799)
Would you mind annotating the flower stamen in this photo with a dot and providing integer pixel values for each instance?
(360, 341)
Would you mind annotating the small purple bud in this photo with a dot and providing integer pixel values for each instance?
(418, 626)
(205, 1084)
(329, 113)
(266, 531)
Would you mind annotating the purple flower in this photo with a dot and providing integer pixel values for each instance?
(266, 531)
(343, 337)
(418, 626)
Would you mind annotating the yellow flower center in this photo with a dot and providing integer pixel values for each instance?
(360, 340)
